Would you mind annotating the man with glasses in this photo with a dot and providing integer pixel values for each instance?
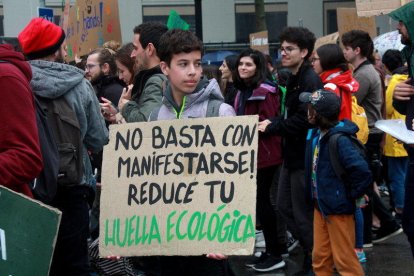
(294, 198)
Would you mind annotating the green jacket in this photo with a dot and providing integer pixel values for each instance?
(406, 15)
(149, 100)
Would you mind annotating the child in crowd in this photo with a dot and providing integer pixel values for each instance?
(334, 197)
(188, 95)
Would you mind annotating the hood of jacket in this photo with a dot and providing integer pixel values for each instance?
(343, 80)
(9, 55)
(406, 15)
(205, 90)
(52, 79)
(345, 126)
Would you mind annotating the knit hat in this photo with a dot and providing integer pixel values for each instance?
(41, 38)
(326, 103)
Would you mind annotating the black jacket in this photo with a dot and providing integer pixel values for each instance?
(293, 125)
(109, 87)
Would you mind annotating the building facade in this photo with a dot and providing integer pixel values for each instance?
(225, 23)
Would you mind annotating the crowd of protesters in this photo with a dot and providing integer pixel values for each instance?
(302, 105)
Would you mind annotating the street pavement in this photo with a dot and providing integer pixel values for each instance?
(389, 258)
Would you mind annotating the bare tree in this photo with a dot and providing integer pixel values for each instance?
(260, 15)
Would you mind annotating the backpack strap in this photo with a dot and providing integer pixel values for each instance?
(213, 107)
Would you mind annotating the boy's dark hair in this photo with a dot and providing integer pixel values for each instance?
(326, 122)
(261, 70)
(392, 59)
(178, 41)
(106, 56)
(123, 55)
(331, 57)
(301, 36)
(150, 32)
(361, 39)
(231, 62)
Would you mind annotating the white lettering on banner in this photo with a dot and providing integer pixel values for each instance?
(259, 41)
(3, 245)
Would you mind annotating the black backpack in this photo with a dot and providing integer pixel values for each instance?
(333, 155)
(60, 133)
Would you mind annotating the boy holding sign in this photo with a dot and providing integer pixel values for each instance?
(188, 95)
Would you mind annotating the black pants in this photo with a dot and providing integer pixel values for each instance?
(377, 205)
(71, 251)
(408, 212)
(193, 265)
(265, 211)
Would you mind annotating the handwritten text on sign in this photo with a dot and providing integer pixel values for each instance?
(183, 187)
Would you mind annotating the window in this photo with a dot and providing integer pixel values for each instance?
(276, 20)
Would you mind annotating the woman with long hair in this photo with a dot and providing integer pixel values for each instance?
(125, 63)
(257, 95)
(228, 68)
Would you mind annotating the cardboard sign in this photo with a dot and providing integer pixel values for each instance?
(28, 231)
(378, 7)
(91, 23)
(328, 39)
(259, 41)
(181, 187)
(348, 20)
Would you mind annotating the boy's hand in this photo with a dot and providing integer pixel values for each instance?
(125, 97)
(263, 125)
(403, 91)
(216, 256)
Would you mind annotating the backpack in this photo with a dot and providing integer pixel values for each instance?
(334, 158)
(64, 125)
(359, 117)
(44, 187)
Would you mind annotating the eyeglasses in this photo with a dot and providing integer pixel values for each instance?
(288, 49)
(90, 66)
(314, 59)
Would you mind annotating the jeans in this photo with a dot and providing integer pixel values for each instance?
(295, 205)
(359, 228)
(397, 168)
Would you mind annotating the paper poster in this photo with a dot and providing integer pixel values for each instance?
(181, 187)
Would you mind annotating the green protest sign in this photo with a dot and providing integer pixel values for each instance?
(176, 22)
(28, 231)
(181, 187)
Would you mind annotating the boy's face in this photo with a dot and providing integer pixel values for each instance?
(292, 55)
(184, 72)
(350, 54)
(311, 114)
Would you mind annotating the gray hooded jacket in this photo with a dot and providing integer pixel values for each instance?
(194, 104)
(52, 80)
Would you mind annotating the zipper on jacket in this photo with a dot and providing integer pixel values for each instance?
(178, 115)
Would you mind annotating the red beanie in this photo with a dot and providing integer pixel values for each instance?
(40, 38)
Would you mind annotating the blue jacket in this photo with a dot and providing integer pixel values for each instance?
(330, 193)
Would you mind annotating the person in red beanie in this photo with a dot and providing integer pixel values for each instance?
(43, 44)
(20, 156)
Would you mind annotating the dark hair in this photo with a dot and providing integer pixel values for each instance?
(269, 60)
(392, 59)
(326, 123)
(211, 71)
(283, 74)
(106, 56)
(178, 41)
(301, 36)
(331, 56)
(261, 70)
(231, 62)
(361, 39)
(123, 55)
(150, 32)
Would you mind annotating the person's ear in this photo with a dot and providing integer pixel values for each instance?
(150, 49)
(164, 68)
(304, 53)
(105, 68)
(357, 50)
